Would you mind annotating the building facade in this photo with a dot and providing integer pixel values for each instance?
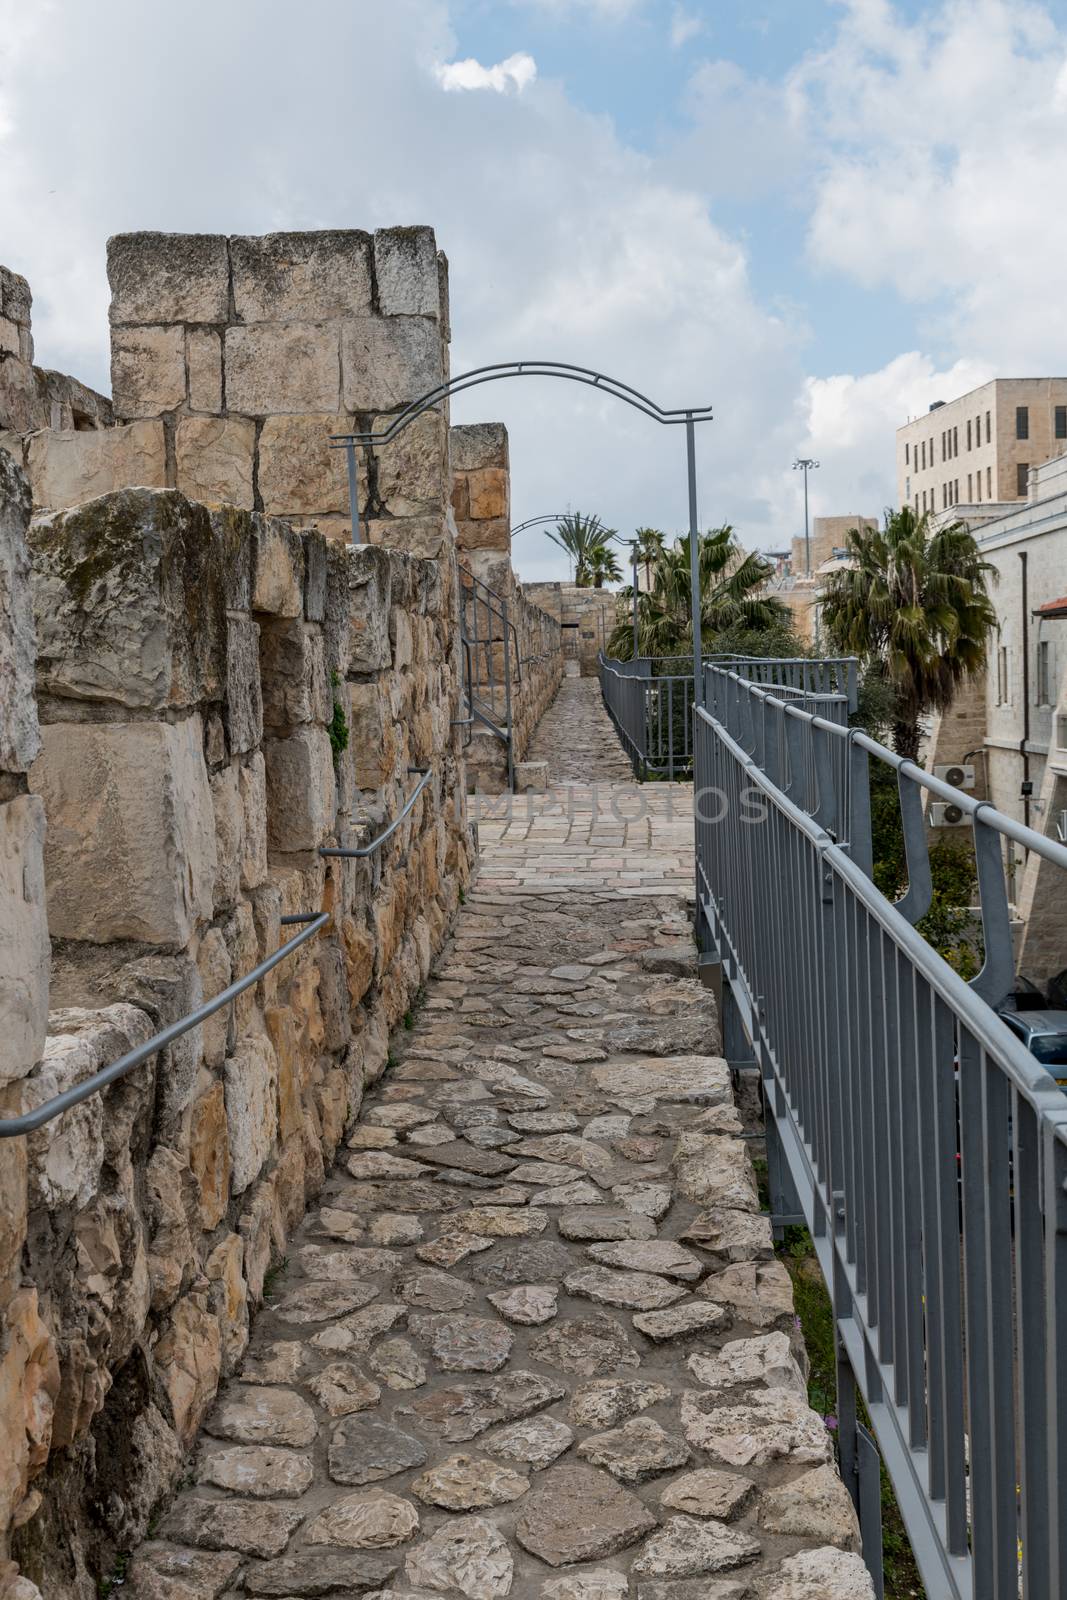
(982, 446)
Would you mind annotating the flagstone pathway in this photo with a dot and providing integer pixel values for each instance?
(532, 1339)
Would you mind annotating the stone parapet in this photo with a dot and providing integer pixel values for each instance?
(219, 695)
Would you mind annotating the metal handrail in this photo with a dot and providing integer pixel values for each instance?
(364, 850)
(29, 1121)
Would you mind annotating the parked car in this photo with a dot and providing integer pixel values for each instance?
(1044, 1033)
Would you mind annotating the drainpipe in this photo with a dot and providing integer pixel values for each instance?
(1023, 750)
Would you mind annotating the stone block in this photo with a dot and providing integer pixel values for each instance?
(299, 472)
(147, 370)
(301, 799)
(29, 1385)
(209, 1155)
(476, 445)
(427, 536)
(252, 780)
(130, 851)
(412, 470)
(188, 1363)
(9, 338)
(25, 952)
(295, 685)
(203, 358)
(405, 267)
(130, 601)
(16, 300)
(292, 366)
(386, 362)
(492, 534)
(315, 577)
(19, 735)
(22, 405)
(67, 467)
(278, 566)
(236, 531)
(168, 277)
(312, 277)
(244, 697)
(213, 965)
(66, 1155)
(489, 496)
(229, 840)
(251, 1086)
(373, 739)
(369, 603)
(213, 456)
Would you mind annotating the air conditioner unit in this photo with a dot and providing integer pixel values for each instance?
(960, 776)
(943, 815)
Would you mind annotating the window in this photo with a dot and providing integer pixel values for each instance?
(944, 496)
(968, 433)
(1002, 675)
(924, 454)
(988, 428)
(978, 486)
(943, 437)
(907, 455)
(1061, 422)
(955, 491)
(1044, 673)
(907, 488)
(955, 443)
(916, 505)
(1022, 422)
(989, 483)
(969, 477)
(1022, 477)
(977, 433)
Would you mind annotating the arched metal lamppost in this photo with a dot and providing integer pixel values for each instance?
(688, 416)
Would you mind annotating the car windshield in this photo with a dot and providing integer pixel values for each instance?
(1050, 1049)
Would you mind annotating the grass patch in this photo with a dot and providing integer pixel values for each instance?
(116, 1577)
(271, 1276)
(814, 1308)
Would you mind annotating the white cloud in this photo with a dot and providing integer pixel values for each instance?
(517, 72)
(612, 10)
(942, 166)
(684, 27)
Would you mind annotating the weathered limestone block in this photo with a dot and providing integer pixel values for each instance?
(299, 473)
(170, 1250)
(188, 1363)
(372, 735)
(168, 277)
(209, 1155)
(203, 355)
(244, 694)
(251, 1108)
(492, 534)
(213, 963)
(252, 781)
(387, 362)
(9, 337)
(412, 475)
(475, 445)
(296, 688)
(25, 951)
(66, 1154)
(130, 600)
(278, 581)
(229, 1297)
(229, 842)
(68, 467)
(271, 368)
(286, 277)
(425, 536)
(242, 945)
(488, 493)
(405, 265)
(300, 784)
(147, 370)
(29, 1384)
(214, 459)
(370, 596)
(19, 736)
(126, 858)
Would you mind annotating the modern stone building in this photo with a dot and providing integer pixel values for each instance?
(981, 446)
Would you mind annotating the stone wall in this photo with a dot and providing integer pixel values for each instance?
(586, 616)
(233, 360)
(481, 505)
(191, 663)
(31, 397)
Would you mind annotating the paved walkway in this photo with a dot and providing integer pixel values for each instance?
(532, 1339)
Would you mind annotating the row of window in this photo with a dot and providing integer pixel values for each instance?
(950, 489)
(1043, 679)
(950, 437)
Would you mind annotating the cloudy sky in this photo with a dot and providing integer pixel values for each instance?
(816, 215)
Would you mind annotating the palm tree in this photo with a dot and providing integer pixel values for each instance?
(579, 535)
(647, 545)
(602, 565)
(731, 598)
(914, 604)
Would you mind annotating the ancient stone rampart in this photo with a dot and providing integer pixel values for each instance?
(481, 505)
(586, 618)
(218, 695)
(32, 397)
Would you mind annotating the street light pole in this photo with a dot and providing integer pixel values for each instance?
(635, 554)
(804, 464)
(694, 559)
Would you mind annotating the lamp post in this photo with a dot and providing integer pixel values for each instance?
(634, 559)
(805, 464)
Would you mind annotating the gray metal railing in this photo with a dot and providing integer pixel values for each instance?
(30, 1121)
(652, 712)
(922, 1145)
(361, 853)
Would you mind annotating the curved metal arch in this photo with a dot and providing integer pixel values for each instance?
(524, 369)
(536, 522)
